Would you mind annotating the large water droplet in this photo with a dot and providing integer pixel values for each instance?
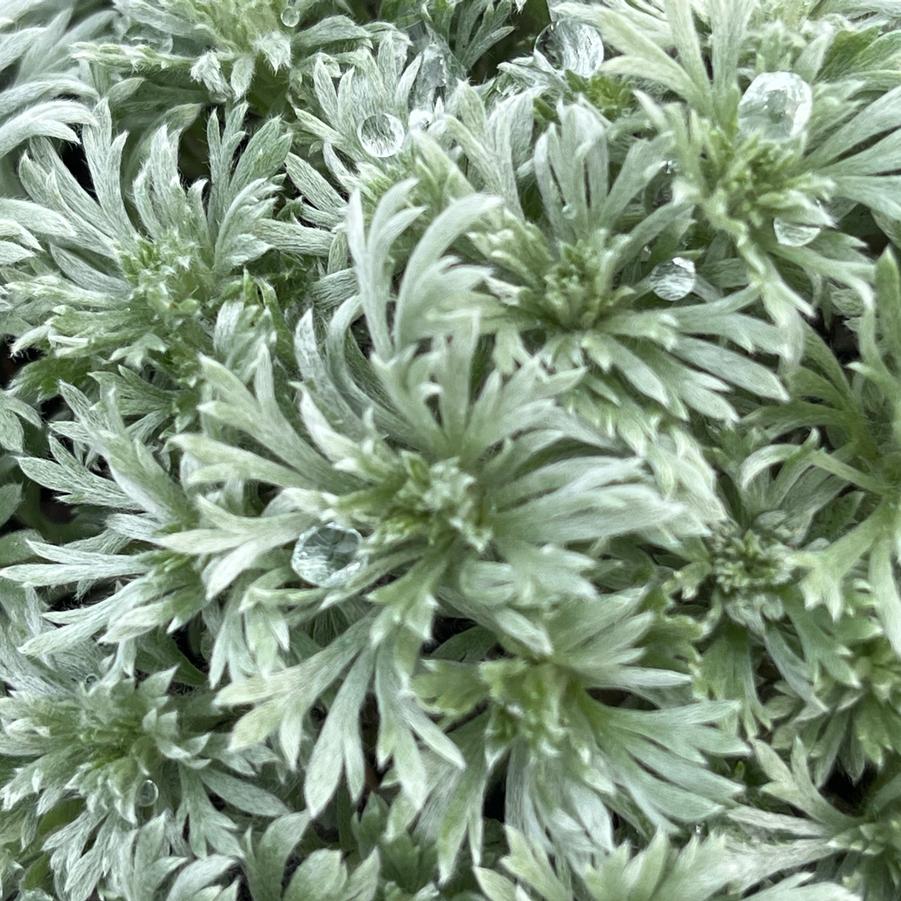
(148, 793)
(381, 135)
(290, 17)
(794, 234)
(673, 279)
(326, 555)
(573, 46)
(776, 105)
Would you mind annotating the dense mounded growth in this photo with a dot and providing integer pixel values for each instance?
(451, 449)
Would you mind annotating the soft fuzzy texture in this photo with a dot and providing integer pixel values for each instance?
(451, 450)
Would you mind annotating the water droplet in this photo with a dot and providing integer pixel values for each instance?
(794, 234)
(381, 135)
(290, 17)
(326, 555)
(147, 793)
(776, 105)
(673, 279)
(573, 46)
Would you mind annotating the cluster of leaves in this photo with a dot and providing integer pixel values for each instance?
(451, 449)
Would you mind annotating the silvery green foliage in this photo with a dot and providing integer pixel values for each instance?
(42, 87)
(224, 45)
(451, 450)
(43, 92)
(180, 269)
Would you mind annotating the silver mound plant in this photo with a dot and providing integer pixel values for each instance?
(450, 449)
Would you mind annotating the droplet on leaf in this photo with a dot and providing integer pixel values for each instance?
(794, 234)
(573, 46)
(776, 105)
(673, 279)
(326, 555)
(147, 793)
(382, 135)
(290, 17)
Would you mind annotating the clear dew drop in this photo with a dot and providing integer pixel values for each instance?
(776, 106)
(794, 234)
(573, 46)
(290, 17)
(382, 135)
(147, 793)
(326, 555)
(673, 279)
